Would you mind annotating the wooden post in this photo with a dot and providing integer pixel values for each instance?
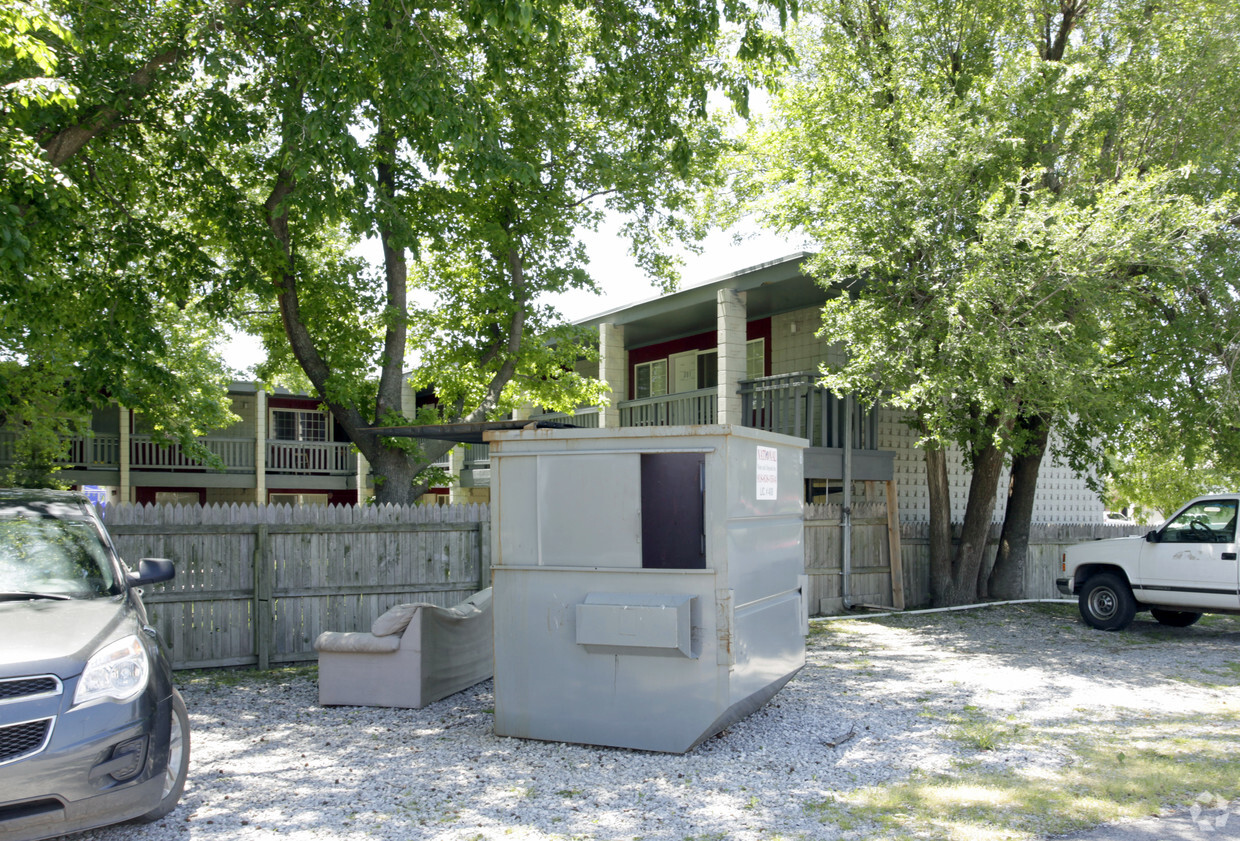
(893, 541)
(484, 555)
(263, 618)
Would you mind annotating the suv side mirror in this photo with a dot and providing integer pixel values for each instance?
(152, 571)
(1151, 536)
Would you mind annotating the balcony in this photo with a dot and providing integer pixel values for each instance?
(687, 408)
(310, 457)
(795, 404)
(102, 453)
(792, 404)
(145, 453)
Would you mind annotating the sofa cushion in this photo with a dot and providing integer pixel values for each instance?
(355, 642)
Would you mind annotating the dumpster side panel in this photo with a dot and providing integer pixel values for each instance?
(550, 686)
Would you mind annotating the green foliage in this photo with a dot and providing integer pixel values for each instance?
(107, 288)
(1028, 215)
(226, 160)
(1154, 484)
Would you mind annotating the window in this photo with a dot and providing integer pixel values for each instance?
(1208, 521)
(177, 498)
(650, 379)
(755, 359)
(297, 499)
(292, 425)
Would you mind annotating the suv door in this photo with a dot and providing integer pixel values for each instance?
(1192, 559)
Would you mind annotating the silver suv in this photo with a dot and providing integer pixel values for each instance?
(92, 731)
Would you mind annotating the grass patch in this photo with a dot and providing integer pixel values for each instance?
(1120, 770)
(975, 729)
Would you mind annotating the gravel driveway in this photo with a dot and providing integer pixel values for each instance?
(878, 701)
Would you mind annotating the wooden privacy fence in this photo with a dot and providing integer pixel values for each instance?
(871, 579)
(256, 584)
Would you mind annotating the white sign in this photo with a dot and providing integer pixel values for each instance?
(768, 472)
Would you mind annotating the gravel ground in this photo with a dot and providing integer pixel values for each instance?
(871, 706)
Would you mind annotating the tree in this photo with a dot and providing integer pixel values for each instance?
(103, 296)
(470, 140)
(1024, 206)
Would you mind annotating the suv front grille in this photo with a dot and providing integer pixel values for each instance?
(18, 741)
(18, 688)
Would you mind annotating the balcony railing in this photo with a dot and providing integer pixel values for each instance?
(98, 452)
(330, 458)
(237, 454)
(687, 408)
(586, 417)
(795, 404)
(102, 452)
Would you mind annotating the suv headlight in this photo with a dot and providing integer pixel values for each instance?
(118, 671)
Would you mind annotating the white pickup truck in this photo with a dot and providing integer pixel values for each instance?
(1180, 570)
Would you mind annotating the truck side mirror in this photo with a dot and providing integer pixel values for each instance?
(1151, 536)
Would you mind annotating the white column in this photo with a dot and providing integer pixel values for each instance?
(126, 491)
(408, 398)
(456, 465)
(364, 491)
(613, 368)
(260, 447)
(730, 319)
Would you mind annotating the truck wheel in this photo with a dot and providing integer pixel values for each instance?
(1106, 603)
(178, 762)
(1174, 618)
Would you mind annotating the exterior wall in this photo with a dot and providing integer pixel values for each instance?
(1062, 497)
(794, 345)
(244, 405)
(231, 496)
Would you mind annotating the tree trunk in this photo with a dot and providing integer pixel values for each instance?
(978, 515)
(939, 493)
(1007, 579)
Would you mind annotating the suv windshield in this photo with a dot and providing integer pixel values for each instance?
(53, 558)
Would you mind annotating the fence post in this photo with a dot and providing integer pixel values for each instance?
(262, 598)
(484, 554)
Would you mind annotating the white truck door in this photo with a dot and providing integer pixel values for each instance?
(1193, 562)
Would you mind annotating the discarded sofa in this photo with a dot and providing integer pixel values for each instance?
(414, 655)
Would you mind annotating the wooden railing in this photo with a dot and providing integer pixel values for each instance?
(686, 408)
(795, 404)
(237, 454)
(310, 457)
(102, 452)
(585, 418)
(94, 452)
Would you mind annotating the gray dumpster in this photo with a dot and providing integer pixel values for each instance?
(647, 581)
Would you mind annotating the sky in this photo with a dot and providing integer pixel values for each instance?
(622, 283)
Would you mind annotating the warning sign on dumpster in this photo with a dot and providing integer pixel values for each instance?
(768, 472)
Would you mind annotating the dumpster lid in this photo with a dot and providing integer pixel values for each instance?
(464, 433)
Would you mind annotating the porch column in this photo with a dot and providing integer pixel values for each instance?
(123, 448)
(613, 368)
(364, 491)
(408, 398)
(260, 446)
(730, 319)
(456, 466)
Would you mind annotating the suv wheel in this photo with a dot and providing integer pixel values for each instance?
(1174, 618)
(178, 762)
(1106, 603)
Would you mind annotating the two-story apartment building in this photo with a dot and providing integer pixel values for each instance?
(744, 349)
(284, 448)
(740, 349)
